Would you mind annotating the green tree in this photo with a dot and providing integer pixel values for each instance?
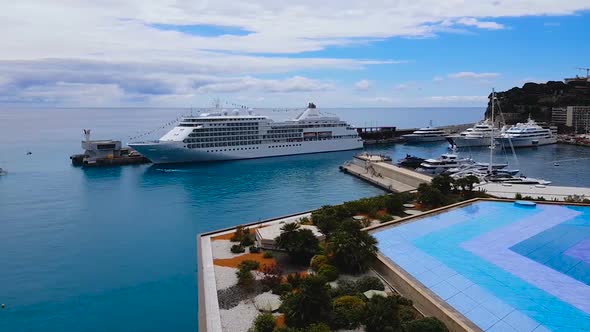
(429, 195)
(443, 183)
(300, 244)
(351, 249)
(263, 323)
(382, 314)
(310, 305)
(347, 312)
(427, 324)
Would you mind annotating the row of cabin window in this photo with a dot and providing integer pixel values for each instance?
(218, 120)
(214, 145)
(220, 139)
(283, 146)
(223, 134)
(228, 129)
(221, 150)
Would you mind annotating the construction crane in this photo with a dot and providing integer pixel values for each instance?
(587, 71)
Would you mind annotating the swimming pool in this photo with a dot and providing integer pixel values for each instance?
(504, 267)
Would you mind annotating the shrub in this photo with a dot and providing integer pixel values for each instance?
(394, 204)
(518, 196)
(295, 279)
(369, 282)
(247, 240)
(272, 275)
(352, 249)
(268, 254)
(310, 305)
(263, 323)
(328, 272)
(254, 249)
(385, 218)
(347, 312)
(407, 313)
(282, 289)
(237, 249)
(320, 327)
(382, 314)
(427, 324)
(345, 287)
(245, 277)
(443, 183)
(402, 300)
(367, 222)
(239, 234)
(300, 244)
(429, 195)
(249, 265)
(317, 261)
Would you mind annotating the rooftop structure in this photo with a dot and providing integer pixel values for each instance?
(494, 265)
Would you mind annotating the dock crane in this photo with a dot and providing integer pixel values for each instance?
(587, 71)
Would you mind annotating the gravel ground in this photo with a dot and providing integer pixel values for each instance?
(225, 277)
(232, 296)
(221, 249)
(238, 318)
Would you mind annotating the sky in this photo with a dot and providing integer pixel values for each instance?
(274, 53)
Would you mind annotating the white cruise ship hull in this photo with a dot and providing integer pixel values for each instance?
(522, 142)
(410, 138)
(176, 152)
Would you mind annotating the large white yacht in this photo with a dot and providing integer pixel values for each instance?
(427, 134)
(526, 135)
(227, 135)
(478, 135)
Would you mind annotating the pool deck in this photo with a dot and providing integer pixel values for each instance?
(548, 192)
(452, 307)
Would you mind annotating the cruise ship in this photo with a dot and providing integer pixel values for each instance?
(427, 134)
(229, 135)
(527, 134)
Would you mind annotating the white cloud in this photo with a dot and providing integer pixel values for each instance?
(472, 75)
(363, 85)
(470, 21)
(80, 44)
(292, 84)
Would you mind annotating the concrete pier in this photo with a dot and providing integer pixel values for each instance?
(548, 192)
(379, 171)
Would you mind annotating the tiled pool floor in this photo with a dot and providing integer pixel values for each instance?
(504, 267)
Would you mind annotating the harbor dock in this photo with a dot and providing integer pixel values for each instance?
(379, 171)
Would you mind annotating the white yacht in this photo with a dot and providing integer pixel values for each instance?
(225, 135)
(446, 162)
(427, 134)
(527, 134)
(478, 135)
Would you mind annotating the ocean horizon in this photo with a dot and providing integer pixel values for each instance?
(115, 248)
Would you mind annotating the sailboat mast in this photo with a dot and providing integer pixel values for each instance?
(492, 133)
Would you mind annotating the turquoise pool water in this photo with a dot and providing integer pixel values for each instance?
(504, 267)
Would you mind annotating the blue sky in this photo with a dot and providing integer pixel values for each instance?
(270, 54)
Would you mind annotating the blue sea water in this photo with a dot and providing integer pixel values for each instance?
(115, 248)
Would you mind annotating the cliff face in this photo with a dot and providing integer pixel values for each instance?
(538, 99)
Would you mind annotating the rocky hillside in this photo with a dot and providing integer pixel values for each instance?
(538, 99)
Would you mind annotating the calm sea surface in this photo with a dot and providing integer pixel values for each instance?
(115, 248)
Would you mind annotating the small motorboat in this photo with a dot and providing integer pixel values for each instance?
(410, 161)
(2, 171)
